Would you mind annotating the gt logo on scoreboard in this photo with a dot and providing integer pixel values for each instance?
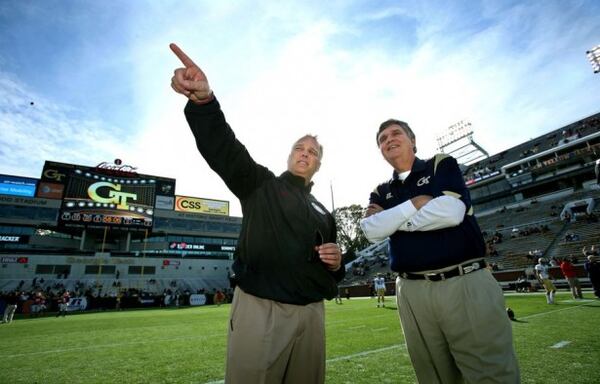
(115, 196)
(54, 174)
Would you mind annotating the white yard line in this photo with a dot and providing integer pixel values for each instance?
(380, 329)
(553, 311)
(561, 344)
(365, 353)
(357, 327)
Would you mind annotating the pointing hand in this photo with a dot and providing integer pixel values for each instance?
(190, 81)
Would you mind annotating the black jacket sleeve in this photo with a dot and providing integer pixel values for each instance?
(340, 273)
(222, 151)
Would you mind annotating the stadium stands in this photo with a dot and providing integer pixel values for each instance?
(106, 231)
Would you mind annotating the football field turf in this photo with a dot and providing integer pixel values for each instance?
(555, 344)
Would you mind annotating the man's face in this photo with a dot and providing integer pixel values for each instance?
(304, 159)
(395, 143)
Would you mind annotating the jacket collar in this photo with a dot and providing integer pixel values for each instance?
(418, 165)
(297, 181)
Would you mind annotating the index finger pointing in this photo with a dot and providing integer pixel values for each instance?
(182, 56)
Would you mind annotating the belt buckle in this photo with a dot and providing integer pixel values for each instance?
(471, 268)
(433, 276)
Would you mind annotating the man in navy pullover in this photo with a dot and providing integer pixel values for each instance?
(451, 308)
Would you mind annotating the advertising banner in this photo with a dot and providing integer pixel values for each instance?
(29, 201)
(183, 246)
(16, 239)
(14, 260)
(17, 186)
(172, 263)
(50, 190)
(198, 205)
(146, 300)
(77, 304)
(197, 299)
(165, 202)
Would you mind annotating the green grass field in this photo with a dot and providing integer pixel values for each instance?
(555, 344)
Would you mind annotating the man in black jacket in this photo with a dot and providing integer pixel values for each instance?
(286, 261)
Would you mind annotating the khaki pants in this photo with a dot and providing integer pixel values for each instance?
(457, 330)
(272, 342)
(548, 285)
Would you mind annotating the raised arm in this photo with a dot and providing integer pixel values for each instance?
(215, 139)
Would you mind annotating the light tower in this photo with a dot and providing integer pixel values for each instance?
(594, 58)
(457, 140)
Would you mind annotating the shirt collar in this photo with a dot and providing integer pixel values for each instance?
(297, 181)
(418, 165)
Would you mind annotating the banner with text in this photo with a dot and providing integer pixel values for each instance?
(17, 186)
(198, 205)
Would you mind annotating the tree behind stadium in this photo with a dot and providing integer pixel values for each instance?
(350, 237)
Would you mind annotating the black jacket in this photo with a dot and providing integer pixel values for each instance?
(282, 222)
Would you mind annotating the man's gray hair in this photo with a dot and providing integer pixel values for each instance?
(315, 138)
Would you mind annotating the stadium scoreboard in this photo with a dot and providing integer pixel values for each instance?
(108, 195)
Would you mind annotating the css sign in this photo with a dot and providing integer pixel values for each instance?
(105, 192)
(189, 204)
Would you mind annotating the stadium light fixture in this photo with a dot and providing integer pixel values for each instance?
(594, 58)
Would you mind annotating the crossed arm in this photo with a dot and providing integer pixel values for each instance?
(421, 213)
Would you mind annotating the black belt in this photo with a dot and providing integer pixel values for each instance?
(459, 270)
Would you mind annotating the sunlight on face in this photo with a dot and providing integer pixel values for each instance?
(305, 158)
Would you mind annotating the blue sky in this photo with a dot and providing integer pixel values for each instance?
(98, 74)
